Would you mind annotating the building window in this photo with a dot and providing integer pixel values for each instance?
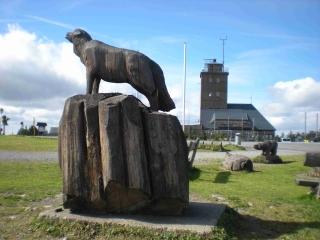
(217, 94)
(210, 94)
(218, 80)
(210, 79)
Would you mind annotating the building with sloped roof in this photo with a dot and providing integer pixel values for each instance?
(54, 131)
(42, 128)
(217, 115)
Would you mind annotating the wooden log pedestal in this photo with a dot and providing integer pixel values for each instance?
(118, 157)
(312, 159)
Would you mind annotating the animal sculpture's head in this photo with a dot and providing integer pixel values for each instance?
(258, 146)
(78, 34)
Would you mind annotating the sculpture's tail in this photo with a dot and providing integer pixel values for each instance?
(165, 103)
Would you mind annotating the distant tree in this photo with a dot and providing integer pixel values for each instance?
(33, 131)
(292, 136)
(5, 120)
(223, 135)
(192, 135)
(185, 133)
(260, 138)
(277, 138)
(23, 131)
(203, 135)
(311, 135)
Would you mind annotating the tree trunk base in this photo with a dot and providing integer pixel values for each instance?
(118, 157)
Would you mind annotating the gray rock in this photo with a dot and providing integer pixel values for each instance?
(237, 163)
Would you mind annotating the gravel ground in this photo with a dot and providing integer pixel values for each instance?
(201, 157)
(28, 156)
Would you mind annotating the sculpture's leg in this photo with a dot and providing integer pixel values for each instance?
(153, 100)
(268, 152)
(96, 84)
(274, 152)
(90, 80)
(275, 148)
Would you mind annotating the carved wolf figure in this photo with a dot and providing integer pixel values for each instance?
(119, 65)
(269, 147)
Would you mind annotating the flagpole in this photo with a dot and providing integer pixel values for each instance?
(184, 84)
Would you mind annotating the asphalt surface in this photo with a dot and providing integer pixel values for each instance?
(28, 156)
(283, 149)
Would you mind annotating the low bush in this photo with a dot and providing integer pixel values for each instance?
(220, 147)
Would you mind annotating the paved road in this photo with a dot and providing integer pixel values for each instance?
(292, 146)
(28, 156)
(283, 149)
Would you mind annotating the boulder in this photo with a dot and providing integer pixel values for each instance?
(118, 157)
(237, 163)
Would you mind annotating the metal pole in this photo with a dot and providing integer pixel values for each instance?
(228, 128)
(184, 82)
(1, 111)
(253, 128)
(242, 127)
(223, 49)
(305, 125)
(317, 128)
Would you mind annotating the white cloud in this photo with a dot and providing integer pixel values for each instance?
(299, 94)
(291, 100)
(36, 77)
(33, 68)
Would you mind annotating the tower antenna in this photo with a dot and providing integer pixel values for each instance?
(223, 43)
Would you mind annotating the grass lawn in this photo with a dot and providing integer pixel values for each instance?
(264, 204)
(26, 189)
(269, 203)
(28, 144)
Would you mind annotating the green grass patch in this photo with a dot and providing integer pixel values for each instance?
(89, 230)
(259, 159)
(233, 147)
(219, 148)
(264, 204)
(28, 144)
(23, 182)
(24, 185)
(274, 206)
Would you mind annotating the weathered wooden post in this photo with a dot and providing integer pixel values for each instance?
(193, 146)
(116, 156)
(312, 159)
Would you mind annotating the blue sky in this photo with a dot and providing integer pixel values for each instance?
(272, 52)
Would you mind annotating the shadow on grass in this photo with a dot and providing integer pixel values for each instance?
(287, 162)
(256, 228)
(194, 174)
(222, 177)
(250, 227)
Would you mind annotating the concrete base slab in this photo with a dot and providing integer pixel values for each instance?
(199, 218)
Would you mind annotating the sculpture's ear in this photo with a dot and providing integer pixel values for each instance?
(77, 32)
